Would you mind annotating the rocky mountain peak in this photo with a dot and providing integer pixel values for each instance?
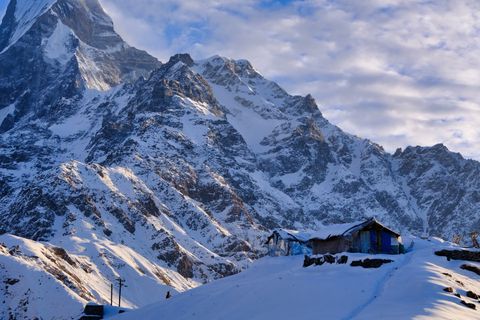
(239, 68)
(89, 23)
(180, 57)
(54, 50)
(86, 18)
(175, 79)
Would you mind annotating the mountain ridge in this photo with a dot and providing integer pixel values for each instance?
(175, 178)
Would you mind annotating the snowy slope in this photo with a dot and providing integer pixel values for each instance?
(280, 288)
(39, 275)
(26, 13)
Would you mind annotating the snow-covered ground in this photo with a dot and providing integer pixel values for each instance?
(411, 287)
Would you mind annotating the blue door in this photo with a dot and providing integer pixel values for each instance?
(386, 242)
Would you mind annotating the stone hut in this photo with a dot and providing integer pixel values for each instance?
(369, 236)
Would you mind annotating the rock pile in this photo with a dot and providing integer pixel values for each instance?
(327, 258)
(370, 263)
(459, 255)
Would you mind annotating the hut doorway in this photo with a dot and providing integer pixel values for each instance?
(386, 242)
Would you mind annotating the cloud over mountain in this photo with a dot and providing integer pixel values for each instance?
(397, 72)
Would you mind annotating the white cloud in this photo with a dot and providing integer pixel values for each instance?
(397, 72)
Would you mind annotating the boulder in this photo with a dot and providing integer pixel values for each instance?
(370, 263)
(472, 295)
(470, 268)
(459, 255)
(319, 261)
(307, 261)
(468, 304)
(342, 260)
(328, 258)
(356, 263)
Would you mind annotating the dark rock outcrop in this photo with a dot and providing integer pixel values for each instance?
(328, 258)
(468, 304)
(471, 268)
(472, 295)
(342, 259)
(370, 263)
(459, 255)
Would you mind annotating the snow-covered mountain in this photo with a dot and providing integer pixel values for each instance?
(171, 175)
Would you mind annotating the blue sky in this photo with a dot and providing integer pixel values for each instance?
(3, 7)
(399, 72)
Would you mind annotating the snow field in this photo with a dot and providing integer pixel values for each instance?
(411, 287)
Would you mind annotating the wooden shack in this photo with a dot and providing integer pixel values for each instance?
(367, 237)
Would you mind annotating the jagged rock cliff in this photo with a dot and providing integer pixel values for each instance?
(172, 174)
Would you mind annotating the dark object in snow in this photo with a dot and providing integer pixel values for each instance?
(307, 261)
(93, 310)
(460, 283)
(356, 263)
(11, 281)
(370, 263)
(168, 295)
(468, 304)
(447, 274)
(319, 261)
(328, 258)
(470, 268)
(457, 295)
(472, 295)
(448, 289)
(460, 255)
(342, 260)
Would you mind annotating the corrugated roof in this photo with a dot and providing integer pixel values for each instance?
(328, 231)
